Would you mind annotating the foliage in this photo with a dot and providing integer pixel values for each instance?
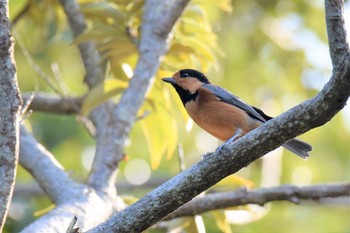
(261, 51)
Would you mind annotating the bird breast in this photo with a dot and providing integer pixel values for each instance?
(218, 118)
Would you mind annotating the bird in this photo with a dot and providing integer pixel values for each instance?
(221, 113)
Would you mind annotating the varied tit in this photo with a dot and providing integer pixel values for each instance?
(219, 112)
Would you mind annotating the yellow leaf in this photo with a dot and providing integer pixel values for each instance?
(129, 200)
(102, 92)
(103, 10)
(235, 180)
(221, 221)
(152, 128)
(160, 130)
(44, 211)
(99, 34)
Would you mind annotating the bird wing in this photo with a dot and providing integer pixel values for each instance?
(229, 98)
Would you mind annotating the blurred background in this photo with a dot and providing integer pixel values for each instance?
(273, 54)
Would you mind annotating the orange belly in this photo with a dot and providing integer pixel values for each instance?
(220, 119)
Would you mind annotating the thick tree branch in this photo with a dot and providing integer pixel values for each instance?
(158, 20)
(71, 198)
(53, 103)
(10, 106)
(308, 115)
(260, 196)
(43, 166)
(89, 207)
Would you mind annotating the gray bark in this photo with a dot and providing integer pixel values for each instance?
(10, 105)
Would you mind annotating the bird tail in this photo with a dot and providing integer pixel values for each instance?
(298, 147)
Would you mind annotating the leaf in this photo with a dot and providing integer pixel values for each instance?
(234, 181)
(44, 211)
(99, 34)
(118, 49)
(153, 131)
(201, 48)
(224, 5)
(103, 10)
(102, 92)
(161, 135)
(221, 221)
(129, 200)
(159, 127)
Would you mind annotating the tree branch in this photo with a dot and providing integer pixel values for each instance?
(10, 105)
(53, 103)
(89, 54)
(71, 198)
(260, 196)
(102, 175)
(46, 170)
(89, 207)
(158, 20)
(308, 115)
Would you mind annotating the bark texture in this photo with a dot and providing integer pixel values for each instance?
(10, 106)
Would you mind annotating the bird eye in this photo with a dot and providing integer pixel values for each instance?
(184, 75)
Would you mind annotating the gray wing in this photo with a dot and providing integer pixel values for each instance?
(229, 98)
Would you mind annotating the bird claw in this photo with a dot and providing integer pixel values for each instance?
(218, 150)
(233, 138)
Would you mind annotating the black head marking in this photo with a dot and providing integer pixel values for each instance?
(194, 74)
(185, 95)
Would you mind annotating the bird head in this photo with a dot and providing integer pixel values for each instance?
(188, 80)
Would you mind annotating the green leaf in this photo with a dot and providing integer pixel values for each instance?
(102, 92)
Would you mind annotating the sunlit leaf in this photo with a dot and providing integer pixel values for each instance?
(200, 48)
(179, 224)
(224, 5)
(153, 131)
(129, 200)
(99, 34)
(160, 128)
(103, 10)
(41, 212)
(161, 135)
(195, 225)
(234, 181)
(221, 221)
(102, 92)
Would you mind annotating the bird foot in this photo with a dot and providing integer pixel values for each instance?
(233, 138)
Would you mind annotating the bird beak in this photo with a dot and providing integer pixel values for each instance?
(169, 80)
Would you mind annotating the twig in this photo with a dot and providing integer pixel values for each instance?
(37, 68)
(260, 196)
(59, 80)
(52, 103)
